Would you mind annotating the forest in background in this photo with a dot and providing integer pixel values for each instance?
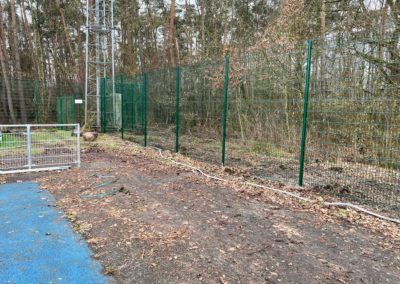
(44, 39)
(356, 47)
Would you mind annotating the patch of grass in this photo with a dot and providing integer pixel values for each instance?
(321, 202)
(10, 140)
(71, 217)
(270, 150)
(108, 142)
(51, 136)
(391, 165)
(109, 270)
(15, 140)
(342, 213)
(112, 142)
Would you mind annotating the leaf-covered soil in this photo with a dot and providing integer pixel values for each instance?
(344, 174)
(151, 221)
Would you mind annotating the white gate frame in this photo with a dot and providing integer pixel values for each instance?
(28, 133)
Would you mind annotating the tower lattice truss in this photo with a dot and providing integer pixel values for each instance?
(99, 55)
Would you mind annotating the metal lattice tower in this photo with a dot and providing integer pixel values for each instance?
(100, 43)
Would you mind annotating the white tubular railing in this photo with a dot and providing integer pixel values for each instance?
(39, 147)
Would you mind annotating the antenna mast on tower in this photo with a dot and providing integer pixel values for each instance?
(100, 57)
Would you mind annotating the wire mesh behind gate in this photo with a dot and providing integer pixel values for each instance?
(26, 148)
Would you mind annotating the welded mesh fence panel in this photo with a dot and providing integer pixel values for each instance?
(54, 146)
(70, 110)
(109, 100)
(161, 108)
(32, 147)
(133, 109)
(123, 110)
(265, 110)
(49, 97)
(354, 129)
(30, 101)
(17, 101)
(13, 148)
(201, 105)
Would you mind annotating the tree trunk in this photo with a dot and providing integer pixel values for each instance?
(190, 30)
(66, 33)
(80, 68)
(394, 41)
(322, 44)
(17, 62)
(203, 26)
(153, 34)
(171, 37)
(4, 69)
(28, 35)
(38, 57)
(6, 83)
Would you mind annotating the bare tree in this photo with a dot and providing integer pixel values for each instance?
(17, 63)
(171, 36)
(4, 69)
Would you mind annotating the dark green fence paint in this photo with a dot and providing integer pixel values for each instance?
(103, 105)
(224, 119)
(37, 118)
(177, 91)
(305, 113)
(122, 106)
(145, 79)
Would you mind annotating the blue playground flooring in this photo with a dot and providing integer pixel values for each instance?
(37, 244)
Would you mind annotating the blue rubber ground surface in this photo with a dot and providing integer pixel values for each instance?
(37, 244)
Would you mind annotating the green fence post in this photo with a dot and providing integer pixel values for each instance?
(66, 111)
(132, 110)
(58, 111)
(61, 112)
(73, 110)
(122, 107)
(145, 81)
(103, 104)
(178, 89)
(122, 116)
(226, 92)
(36, 91)
(305, 113)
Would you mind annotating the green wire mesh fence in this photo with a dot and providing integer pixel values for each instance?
(161, 108)
(122, 107)
(18, 101)
(325, 118)
(70, 110)
(354, 127)
(200, 111)
(133, 105)
(30, 101)
(265, 114)
(109, 105)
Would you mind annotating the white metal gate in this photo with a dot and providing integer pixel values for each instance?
(25, 148)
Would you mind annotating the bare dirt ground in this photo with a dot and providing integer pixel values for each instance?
(345, 180)
(150, 221)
